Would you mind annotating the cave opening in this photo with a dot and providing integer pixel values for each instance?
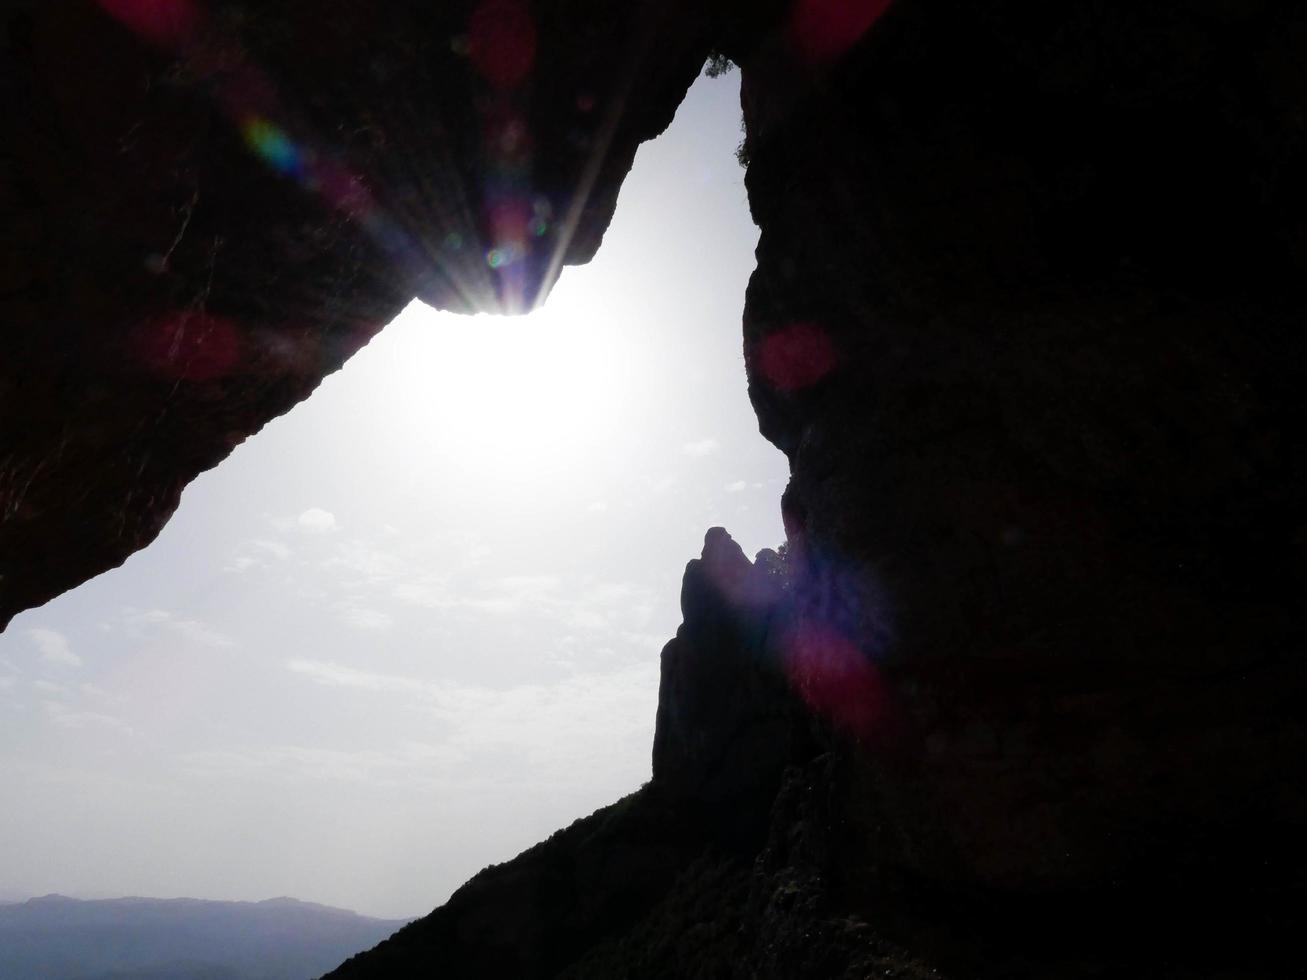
(412, 626)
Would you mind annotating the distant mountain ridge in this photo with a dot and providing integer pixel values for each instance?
(59, 938)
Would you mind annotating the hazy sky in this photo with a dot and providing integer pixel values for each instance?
(413, 626)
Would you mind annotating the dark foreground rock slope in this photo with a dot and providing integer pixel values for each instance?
(753, 852)
(1027, 320)
(713, 869)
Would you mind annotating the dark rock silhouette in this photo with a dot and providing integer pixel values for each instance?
(708, 870)
(1025, 694)
(210, 206)
(779, 837)
(1022, 322)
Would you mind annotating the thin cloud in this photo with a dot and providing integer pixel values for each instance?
(364, 564)
(336, 675)
(191, 630)
(367, 619)
(737, 486)
(701, 447)
(652, 642)
(10, 676)
(98, 693)
(589, 607)
(528, 586)
(257, 553)
(315, 520)
(274, 548)
(535, 724)
(403, 765)
(430, 591)
(66, 717)
(580, 618)
(52, 646)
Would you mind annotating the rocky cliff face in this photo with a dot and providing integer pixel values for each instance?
(210, 206)
(1023, 320)
(1025, 692)
(774, 842)
(715, 868)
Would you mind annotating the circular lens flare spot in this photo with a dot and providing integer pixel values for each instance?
(509, 219)
(167, 23)
(501, 42)
(504, 255)
(272, 144)
(835, 679)
(796, 356)
(822, 30)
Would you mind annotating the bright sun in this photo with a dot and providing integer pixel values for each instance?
(498, 395)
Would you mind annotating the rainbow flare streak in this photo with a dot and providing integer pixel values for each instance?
(501, 47)
(271, 143)
(248, 97)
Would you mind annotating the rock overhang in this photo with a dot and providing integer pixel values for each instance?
(1025, 320)
(213, 205)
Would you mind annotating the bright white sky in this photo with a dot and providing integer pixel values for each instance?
(412, 627)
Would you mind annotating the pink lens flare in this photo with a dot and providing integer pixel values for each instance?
(796, 356)
(167, 23)
(836, 680)
(501, 42)
(823, 30)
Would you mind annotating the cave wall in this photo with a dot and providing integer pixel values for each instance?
(1026, 321)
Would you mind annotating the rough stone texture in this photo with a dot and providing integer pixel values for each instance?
(727, 725)
(208, 207)
(664, 883)
(1025, 319)
(1025, 693)
(741, 858)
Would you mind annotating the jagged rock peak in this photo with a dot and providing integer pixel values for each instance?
(727, 724)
